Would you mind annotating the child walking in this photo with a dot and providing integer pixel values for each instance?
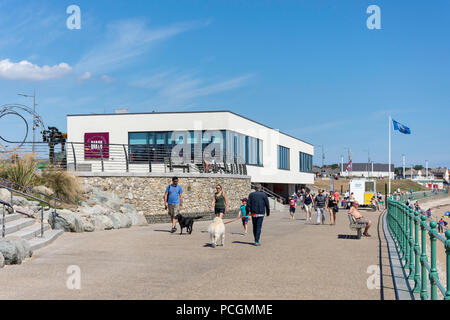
(292, 202)
(243, 213)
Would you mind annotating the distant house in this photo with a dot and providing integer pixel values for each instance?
(371, 170)
(441, 173)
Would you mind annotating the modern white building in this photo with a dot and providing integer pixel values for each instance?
(136, 141)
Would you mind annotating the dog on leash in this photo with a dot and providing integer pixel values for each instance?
(217, 231)
(186, 222)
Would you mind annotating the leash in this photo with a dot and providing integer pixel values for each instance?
(236, 219)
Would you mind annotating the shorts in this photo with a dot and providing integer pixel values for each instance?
(173, 209)
(308, 207)
(292, 209)
(219, 210)
(244, 221)
(362, 221)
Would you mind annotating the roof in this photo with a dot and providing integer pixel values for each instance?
(184, 112)
(378, 167)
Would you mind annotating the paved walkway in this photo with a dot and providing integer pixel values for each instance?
(295, 261)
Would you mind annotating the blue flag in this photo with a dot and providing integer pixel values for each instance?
(403, 129)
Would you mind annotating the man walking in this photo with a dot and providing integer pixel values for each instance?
(258, 206)
(173, 200)
(319, 205)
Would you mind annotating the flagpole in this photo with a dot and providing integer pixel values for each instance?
(389, 192)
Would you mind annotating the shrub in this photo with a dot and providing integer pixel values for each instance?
(64, 185)
(21, 170)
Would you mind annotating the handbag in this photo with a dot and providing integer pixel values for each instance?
(336, 208)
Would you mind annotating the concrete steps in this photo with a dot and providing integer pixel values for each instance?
(10, 217)
(16, 225)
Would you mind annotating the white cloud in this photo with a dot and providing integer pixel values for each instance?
(107, 79)
(174, 89)
(25, 70)
(85, 76)
(126, 40)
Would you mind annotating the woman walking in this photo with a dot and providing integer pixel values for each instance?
(332, 205)
(219, 202)
(308, 203)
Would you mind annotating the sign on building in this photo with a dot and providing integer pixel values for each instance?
(96, 145)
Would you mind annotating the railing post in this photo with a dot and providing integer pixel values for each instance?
(411, 242)
(433, 271)
(3, 222)
(42, 221)
(423, 257)
(403, 231)
(416, 253)
(74, 157)
(447, 252)
(101, 156)
(126, 157)
(54, 215)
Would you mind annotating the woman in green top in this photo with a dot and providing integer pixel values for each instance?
(219, 202)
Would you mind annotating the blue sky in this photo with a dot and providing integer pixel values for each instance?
(309, 68)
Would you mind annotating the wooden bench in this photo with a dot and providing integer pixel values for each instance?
(354, 225)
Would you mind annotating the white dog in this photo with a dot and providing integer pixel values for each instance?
(217, 231)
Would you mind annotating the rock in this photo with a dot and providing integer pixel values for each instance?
(45, 190)
(115, 220)
(130, 196)
(102, 222)
(25, 210)
(88, 226)
(68, 221)
(2, 261)
(14, 250)
(124, 220)
(20, 201)
(5, 195)
(137, 219)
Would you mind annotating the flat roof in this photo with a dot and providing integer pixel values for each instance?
(183, 112)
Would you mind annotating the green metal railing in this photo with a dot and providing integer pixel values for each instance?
(421, 195)
(410, 230)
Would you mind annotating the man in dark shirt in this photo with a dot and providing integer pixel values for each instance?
(319, 204)
(258, 206)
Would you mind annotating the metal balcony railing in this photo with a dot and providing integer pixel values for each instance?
(83, 157)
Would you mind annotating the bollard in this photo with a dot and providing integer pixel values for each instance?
(423, 258)
(416, 253)
(447, 252)
(433, 271)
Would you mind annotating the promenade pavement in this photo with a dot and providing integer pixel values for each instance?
(295, 261)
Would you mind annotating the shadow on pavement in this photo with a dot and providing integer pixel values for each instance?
(244, 242)
(162, 231)
(347, 236)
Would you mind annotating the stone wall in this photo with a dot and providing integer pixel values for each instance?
(146, 193)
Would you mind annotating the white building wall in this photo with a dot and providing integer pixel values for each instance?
(119, 125)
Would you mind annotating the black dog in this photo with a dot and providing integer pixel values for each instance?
(186, 222)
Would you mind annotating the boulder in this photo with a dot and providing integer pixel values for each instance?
(116, 222)
(2, 261)
(124, 220)
(14, 250)
(20, 201)
(5, 195)
(44, 189)
(137, 218)
(101, 222)
(68, 221)
(88, 226)
(25, 210)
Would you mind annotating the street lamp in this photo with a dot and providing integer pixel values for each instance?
(34, 115)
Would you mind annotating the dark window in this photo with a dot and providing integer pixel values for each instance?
(283, 158)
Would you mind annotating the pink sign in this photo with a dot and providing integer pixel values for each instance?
(96, 144)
